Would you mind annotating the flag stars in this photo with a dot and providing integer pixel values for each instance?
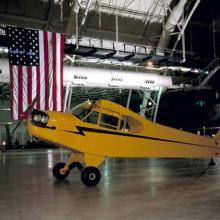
(24, 46)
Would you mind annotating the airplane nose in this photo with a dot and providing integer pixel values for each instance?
(39, 118)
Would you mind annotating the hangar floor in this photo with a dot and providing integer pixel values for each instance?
(129, 189)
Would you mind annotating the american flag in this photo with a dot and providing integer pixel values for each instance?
(36, 70)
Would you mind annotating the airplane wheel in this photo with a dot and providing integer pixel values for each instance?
(90, 176)
(56, 171)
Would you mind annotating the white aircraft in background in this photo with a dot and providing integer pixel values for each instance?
(103, 78)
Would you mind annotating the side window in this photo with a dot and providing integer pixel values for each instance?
(124, 126)
(109, 121)
(130, 124)
(92, 118)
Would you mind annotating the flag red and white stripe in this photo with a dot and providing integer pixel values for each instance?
(43, 82)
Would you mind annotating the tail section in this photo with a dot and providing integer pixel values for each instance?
(218, 134)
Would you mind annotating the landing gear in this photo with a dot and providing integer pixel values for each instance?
(90, 176)
(212, 162)
(59, 172)
(76, 164)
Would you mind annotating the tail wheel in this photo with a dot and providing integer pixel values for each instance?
(90, 176)
(57, 171)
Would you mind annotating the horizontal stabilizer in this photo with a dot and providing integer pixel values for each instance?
(218, 134)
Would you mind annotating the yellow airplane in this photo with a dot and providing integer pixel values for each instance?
(101, 129)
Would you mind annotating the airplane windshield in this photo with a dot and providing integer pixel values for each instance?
(83, 109)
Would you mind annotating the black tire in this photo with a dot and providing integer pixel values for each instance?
(90, 176)
(56, 171)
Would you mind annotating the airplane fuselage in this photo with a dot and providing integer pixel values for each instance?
(102, 78)
(151, 140)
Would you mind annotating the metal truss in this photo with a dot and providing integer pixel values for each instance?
(150, 104)
(179, 20)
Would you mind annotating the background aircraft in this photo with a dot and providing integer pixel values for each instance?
(103, 78)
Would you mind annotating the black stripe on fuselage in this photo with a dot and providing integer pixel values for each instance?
(81, 131)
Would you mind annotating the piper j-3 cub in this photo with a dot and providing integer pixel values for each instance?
(101, 129)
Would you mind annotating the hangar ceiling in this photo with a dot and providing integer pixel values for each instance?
(129, 21)
(96, 17)
(126, 30)
(152, 23)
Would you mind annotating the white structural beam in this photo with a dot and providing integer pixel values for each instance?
(73, 18)
(146, 96)
(49, 14)
(69, 99)
(84, 17)
(157, 104)
(129, 98)
(150, 104)
(116, 26)
(67, 92)
(185, 23)
(171, 23)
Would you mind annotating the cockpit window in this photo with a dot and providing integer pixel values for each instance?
(83, 109)
(91, 113)
(92, 118)
(109, 121)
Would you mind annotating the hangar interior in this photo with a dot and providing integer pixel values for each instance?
(179, 39)
(162, 37)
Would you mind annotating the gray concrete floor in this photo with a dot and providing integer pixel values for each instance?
(129, 189)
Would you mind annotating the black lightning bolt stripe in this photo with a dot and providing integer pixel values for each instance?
(81, 131)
